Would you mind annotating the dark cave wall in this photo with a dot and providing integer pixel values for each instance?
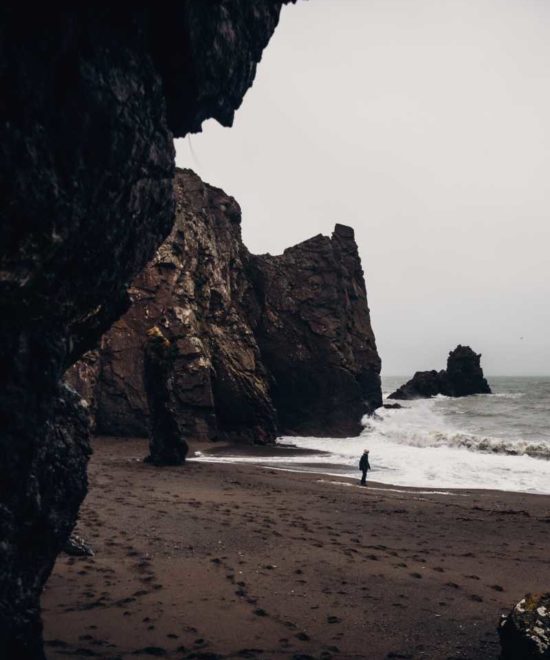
(90, 99)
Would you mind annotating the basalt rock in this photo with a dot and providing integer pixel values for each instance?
(90, 100)
(197, 292)
(264, 344)
(167, 439)
(315, 336)
(463, 376)
(525, 632)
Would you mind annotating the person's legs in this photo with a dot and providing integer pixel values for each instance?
(364, 478)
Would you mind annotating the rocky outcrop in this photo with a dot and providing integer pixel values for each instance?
(315, 336)
(197, 291)
(463, 376)
(91, 98)
(167, 443)
(423, 385)
(264, 344)
(525, 632)
(464, 373)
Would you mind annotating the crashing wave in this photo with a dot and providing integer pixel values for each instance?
(419, 425)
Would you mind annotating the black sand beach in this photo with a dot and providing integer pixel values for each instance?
(234, 561)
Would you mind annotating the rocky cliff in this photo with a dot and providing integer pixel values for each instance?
(197, 291)
(463, 376)
(264, 344)
(315, 336)
(91, 98)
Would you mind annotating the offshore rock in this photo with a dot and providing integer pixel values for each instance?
(463, 376)
(91, 98)
(423, 385)
(166, 441)
(525, 632)
(264, 344)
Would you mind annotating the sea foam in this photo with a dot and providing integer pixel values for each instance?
(498, 442)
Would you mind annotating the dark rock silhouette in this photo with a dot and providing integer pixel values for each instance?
(91, 100)
(315, 336)
(463, 376)
(167, 443)
(525, 632)
(255, 334)
(197, 291)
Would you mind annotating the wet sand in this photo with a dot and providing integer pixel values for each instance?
(240, 561)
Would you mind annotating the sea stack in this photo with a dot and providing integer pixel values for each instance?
(463, 376)
(266, 344)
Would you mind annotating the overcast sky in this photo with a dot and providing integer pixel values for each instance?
(425, 125)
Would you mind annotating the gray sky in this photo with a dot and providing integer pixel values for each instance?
(425, 125)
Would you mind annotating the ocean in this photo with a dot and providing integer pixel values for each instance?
(497, 441)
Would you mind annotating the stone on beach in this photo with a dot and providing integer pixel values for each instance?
(525, 632)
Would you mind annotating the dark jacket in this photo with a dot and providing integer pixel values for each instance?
(364, 463)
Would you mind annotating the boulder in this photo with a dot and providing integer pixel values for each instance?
(462, 377)
(525, 632)
(76, 546)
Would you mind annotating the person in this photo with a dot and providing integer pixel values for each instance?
(364, 466)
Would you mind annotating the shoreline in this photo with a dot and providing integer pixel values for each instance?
(287, 450)
(213, 561)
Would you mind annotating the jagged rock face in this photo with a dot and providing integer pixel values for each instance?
(254, 333)
(463, 376)
(90, 100)
(315, 335)
(525, 632)
(197, 291)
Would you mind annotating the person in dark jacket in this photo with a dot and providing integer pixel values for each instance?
(364, 466)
